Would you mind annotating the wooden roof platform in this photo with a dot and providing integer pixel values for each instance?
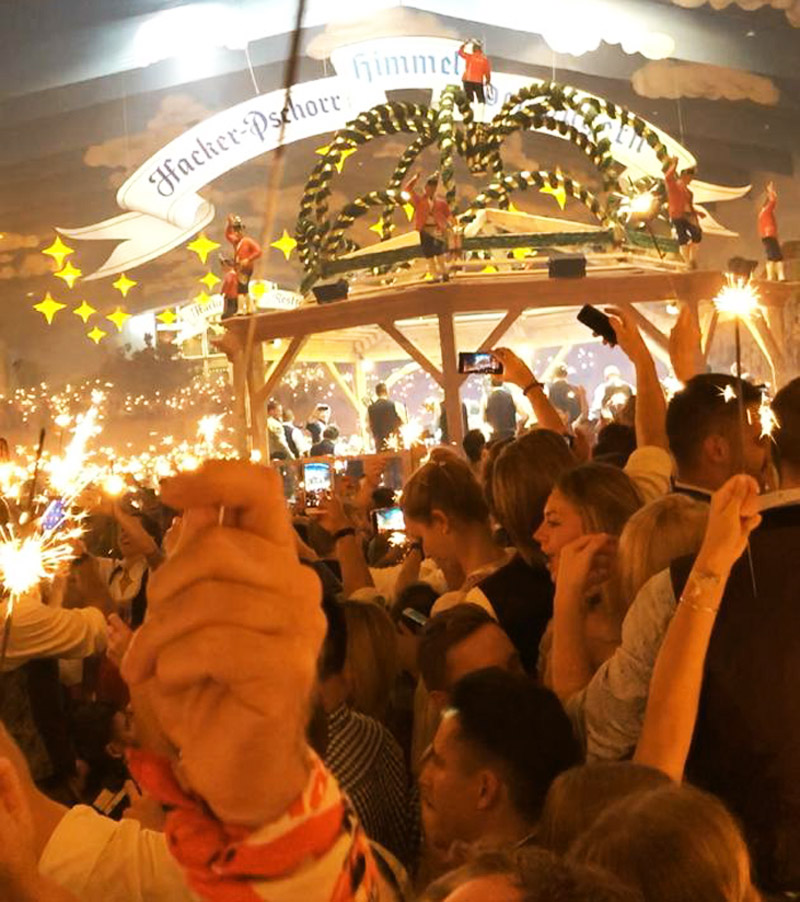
(425, 323)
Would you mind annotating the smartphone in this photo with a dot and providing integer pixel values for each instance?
(479, 362)
(389, 519)
(54, 515)
(317, 482)
(598, 322)
(412, 618)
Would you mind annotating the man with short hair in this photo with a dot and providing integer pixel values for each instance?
(501, 410)
(384, 418)
(500, 744)
(706, 437)
(276, 437)
(327, 445)
(612, 394)
(565, 397)
(706, 441)
(473, 444)
(319, 419)
(456, 642)
(747, 734)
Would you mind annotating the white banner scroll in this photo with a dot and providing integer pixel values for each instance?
(161, 201)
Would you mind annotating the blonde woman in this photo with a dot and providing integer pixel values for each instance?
(583, 516)
(371, 664)
(654, 537)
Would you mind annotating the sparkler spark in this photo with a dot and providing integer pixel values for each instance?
(25, 562)
(737, 298)
(767, 418)
(208, 427)
(729, 393)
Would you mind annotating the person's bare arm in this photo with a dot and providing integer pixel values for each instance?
(518, 372)
(677, 679)
(355, 572)
(685, 351)
(651, 405)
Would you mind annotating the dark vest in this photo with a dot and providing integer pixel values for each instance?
(501, 413)
(522, 598)
(383, 421)
(746, 746)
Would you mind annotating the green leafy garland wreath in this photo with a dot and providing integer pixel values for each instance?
(541, 106)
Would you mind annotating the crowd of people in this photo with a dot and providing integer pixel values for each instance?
(569, 674)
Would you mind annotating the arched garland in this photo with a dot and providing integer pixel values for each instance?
(536, 106)
(521, 181)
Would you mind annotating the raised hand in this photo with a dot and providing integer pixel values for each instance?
(225, 664)
(515, 370)
(629, 338)
(584, 565)
(734, 515)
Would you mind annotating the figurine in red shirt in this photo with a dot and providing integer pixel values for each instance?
(768, 230)
(477, 72)
(683, 216)
(230, 288)
(245, 253)
(432, 219)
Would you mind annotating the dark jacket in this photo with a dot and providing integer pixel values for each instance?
(746, 747)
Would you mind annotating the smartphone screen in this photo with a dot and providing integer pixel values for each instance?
(479, 362)
(389, 519)
(598, 322)
(413, 619)
(317, 482)
(54, 515)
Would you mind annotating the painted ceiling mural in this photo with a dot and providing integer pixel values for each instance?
(89, 95)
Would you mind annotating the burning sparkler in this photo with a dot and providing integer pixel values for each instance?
(208, 428)
(766, 417)
(737, 298)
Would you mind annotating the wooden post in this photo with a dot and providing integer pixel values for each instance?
(240, 402)
(280, 368)
(360, 389)
(451, 379)
(258, 418)
(413, 351)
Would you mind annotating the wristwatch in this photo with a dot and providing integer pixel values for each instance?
(535, 384)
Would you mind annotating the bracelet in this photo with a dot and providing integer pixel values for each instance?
(535, 384)
(347, 531)
(693, 590)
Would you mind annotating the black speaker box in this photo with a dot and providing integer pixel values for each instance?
(570, 266)
(335, 291)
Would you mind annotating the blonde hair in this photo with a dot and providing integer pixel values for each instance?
(655, 536)
(371, 663)
(674, 844)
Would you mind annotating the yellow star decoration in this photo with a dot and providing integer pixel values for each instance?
(48, 307)
(202, 299)
(58, 251)
(377, 227)
(489, 268)
(124, 284)
(257, 289)
(285, 244)
(558, 193)
(409, 208)
(202, 246)
(97, 335)
(70, 274)
(167, 317)
(209, 280)
(84, 311)
(513, 208)
(342, 156)
(520, 253)
(119, 317)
